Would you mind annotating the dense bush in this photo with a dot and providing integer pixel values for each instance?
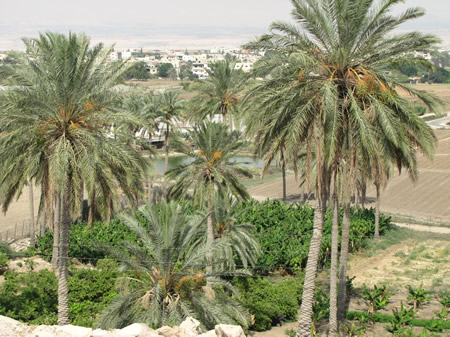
(3, 260)
(284, 232)
(32, 297)
(86, 244)
(270, 303)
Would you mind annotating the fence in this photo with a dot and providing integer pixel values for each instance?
(20, 231)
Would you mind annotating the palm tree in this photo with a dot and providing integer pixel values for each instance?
(328, 87)
(211, 170)
(219, 93)
(165, 281)
(169, 111)
(242, 242)
(56, 119)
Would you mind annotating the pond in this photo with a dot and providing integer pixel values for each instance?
(158, 163)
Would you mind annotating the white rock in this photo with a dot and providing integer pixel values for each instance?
(136, 329)
(74, 331)
(11, 328)
(46, 331)
(99, 333)
(167, 331)
(210, 333)
(225, 330)
(191, 326)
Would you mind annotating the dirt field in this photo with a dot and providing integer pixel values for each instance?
(428, 198)
(440, 90)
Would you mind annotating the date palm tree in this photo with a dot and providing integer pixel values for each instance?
(56, 119)
(328, 87)
(219, 93)
(164, 280)
(211, 170)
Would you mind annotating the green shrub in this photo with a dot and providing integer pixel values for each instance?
(32, 297)
(86, 244)
(3, 260)
(378, 298)
(418, 296)
(284, 232)
(401, 318)
(270, 303)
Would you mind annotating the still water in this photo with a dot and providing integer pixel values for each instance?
(158, 163)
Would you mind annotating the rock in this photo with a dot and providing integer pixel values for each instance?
(11, 328)
(167, 331)
(210, 333)
(46, 331)
(99, 333)
(74, 331)
(136, 329)
(225, 330)
(191, 326)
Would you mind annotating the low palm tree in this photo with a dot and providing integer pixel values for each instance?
(211, 170)
(164, 280)
(56, 117)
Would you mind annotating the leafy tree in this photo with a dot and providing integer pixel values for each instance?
(138, 71)
(57, 116)
(164, 69)
(164, 281)
(186, 72)
(329, 91)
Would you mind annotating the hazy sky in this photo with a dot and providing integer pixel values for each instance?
(171, 23)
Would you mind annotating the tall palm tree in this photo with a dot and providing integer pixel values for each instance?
(170, 110)
(165, 281)
(219, 93)
(211, 170)
(56, 118)
(329, 86)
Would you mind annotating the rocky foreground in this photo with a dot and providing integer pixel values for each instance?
(189, 328)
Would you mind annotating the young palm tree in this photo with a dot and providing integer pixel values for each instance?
(56, 119)
(328, 88)
(164, 281)
(241, 241)
(211, 170)
(219, 93)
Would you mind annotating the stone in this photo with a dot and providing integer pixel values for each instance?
(210, 333)
(74, 331)
(46, 331)
(225, 330)
(11, 328)
(191, 326)
(136, 329)
(99, 333)
(167, 331)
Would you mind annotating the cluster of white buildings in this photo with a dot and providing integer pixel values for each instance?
(199, 59)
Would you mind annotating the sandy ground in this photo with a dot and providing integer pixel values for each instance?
(427, 198)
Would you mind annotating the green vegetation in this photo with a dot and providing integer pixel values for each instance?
(32, 297)
(270, 303)
(418, 296)
(378, 298)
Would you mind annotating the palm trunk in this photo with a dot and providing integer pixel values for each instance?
(342, 296)
(377, 214)
(363, 195)
(31, 203)
(166, 145)
(56, 237)
(333, 325)
(81, 199)
(210, 234)
(91, 215)
(63, 293)
(305, 319)
(283, 170)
